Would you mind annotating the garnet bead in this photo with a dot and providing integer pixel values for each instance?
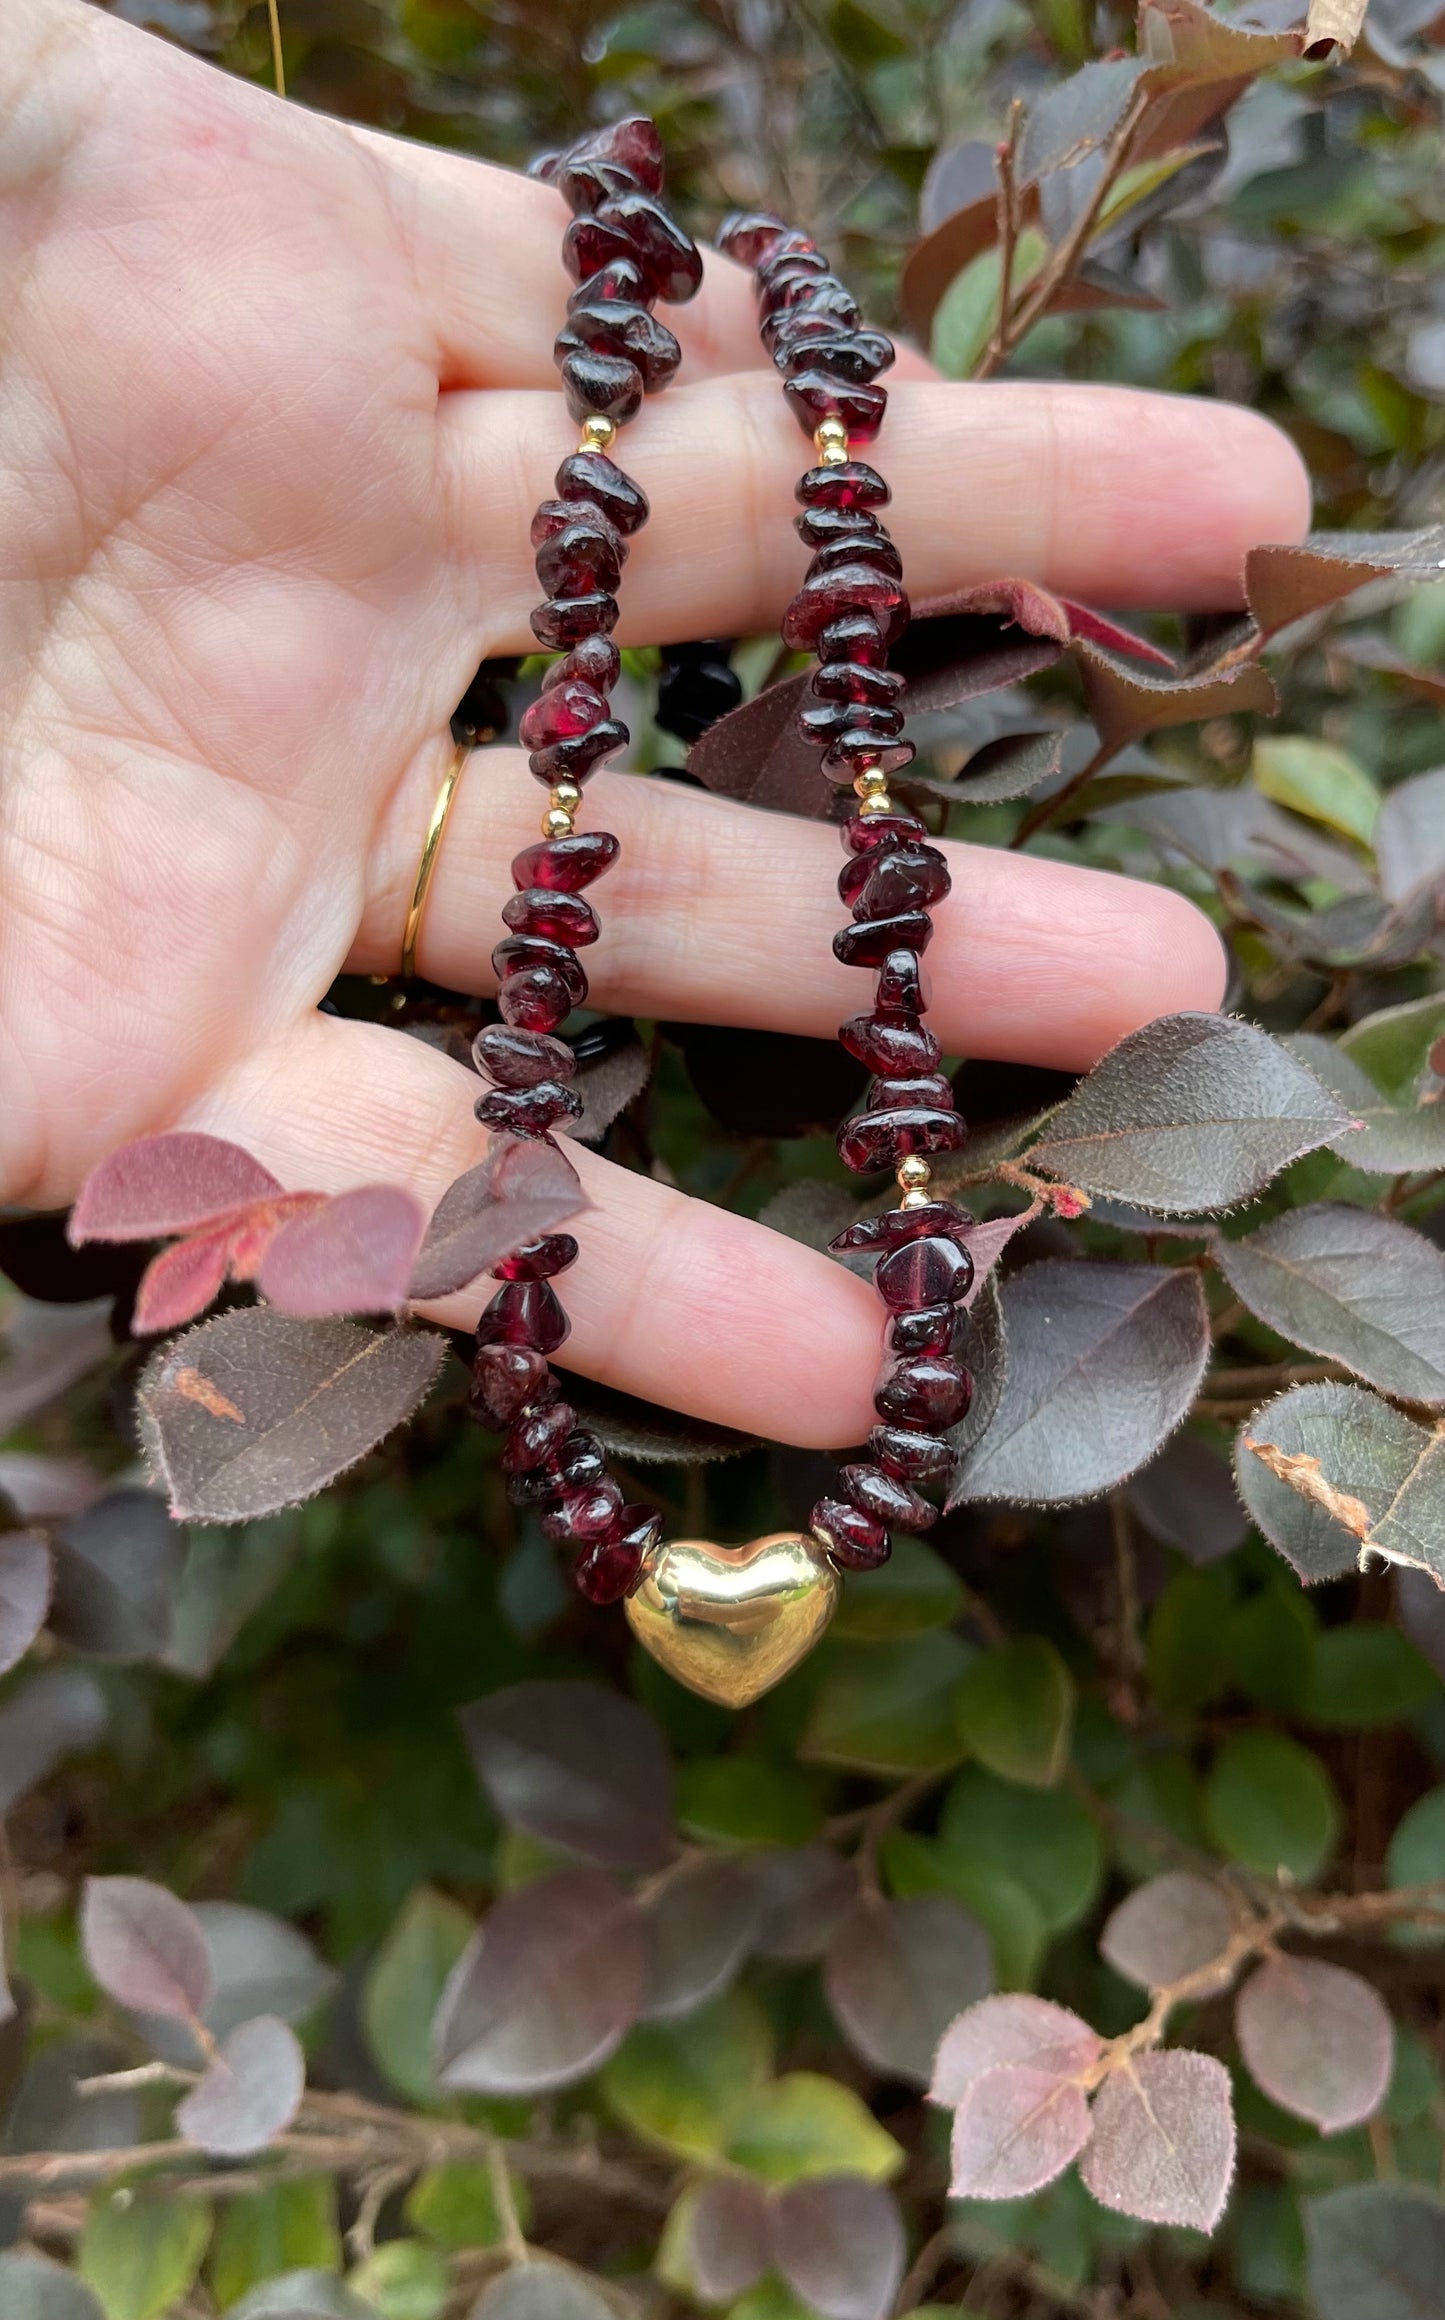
(609, 383)
(611, 1569)
(582, 558)
(873, 1140)
(565, 710)
(901, 988)
(934, 1271)
(828, 596)
(878, 833)
(589, 244)
(621, 280)
(855, 1540)
(890, 1043)
(580, 754)
(750, 236)
(520, 1059)
(903, 878)
(931, 1329)
(565, 865)
(913, 1457)
(561, 625)
(897, 1226)
(870, 942)
(538, 1260)
(854, 355)
(582, 1516)
(505, 1379)
(889, 1501)
(535, 1435)
(534, 950)
(923, 1389)
(524, 1313)
(563, 918)
(671, 263)
(926, 1091)
(535, 999)
(591, 475)
(621, 330)
(632, 143)
(815, 395)
(532, 1111)
(580, 1461)
(853, 636)
(852, 484)
(874, 549)
(818, 527)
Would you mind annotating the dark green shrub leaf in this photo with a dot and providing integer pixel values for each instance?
(1416, 1852)
(1270, 1805)
(1319, 781)
(404, 2279)
(888, 1707)
(1364, 1674)
(1163, 2139)
(117, 1576)
(287, 2229)
(141, 2250)
(1187, 1642)
(1006, 1910)
(1317, 2039)
(1377, 2252)
(897, 1972)
(744, 1800)
(1172, 1926)
(24, 1593)
(702, 1916)
(802, 2125)
(1016, 1711)
(680, 2084)
(839, 2243)
(1043, 1837)
(913, 1591)
(1328, 1470)
(1353, 1285)
(455, 2205)
(33, 2288)
(404, 1988)
(578, 1766)
(1394, 1045)
(547, 1989)
(1104, 1361)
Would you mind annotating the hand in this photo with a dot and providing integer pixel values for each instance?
(278, 402)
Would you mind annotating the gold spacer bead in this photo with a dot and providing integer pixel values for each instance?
(566, 797)
(877, 802)
(914, 1173)
(598, 433)
(830, 441)
(870, 781)
(556, 823)
(916, 1200)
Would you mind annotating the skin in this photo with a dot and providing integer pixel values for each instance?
(278, 401)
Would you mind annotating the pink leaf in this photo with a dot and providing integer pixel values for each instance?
(839, 2242)
(250, 2093)
(252, 1229)
(1163, 2142)
(181, 1282)
(1099, 630)
(1014, 2131)
(354, 1255)
(728, 2243)
(524, 1187)
(986, 1243)
(1172, 1926)
(1008, 2029)
(145, 1947)
(166, 1184)
(1318, 2039)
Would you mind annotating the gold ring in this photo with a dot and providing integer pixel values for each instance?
(431, 847)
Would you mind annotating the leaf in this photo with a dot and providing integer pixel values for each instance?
(454, 2204)
(1016, 1710)
(745, 1800)
(1015, 2130)
(541, 2290)
(1364, 1674)
(1394, 1045)
(1186, 1497)
(839, 2243)
(303, 2295)
(1416, 1851)
(1163, 2140)
(647, 1434)
(607, 1084)
(1353, 1285)
(546, 1990)
(578, 1766)
(355, 1254)
(1172, 1926)
(145, 1947)
(58, 1713)
(255, 1410)
(1271, 1806)
(1042, 1836)
(729, 2237)
(33, 2288)
(1013, 766)
(701, 1918)
(1382, 1139)
(1125, 706)
(166, 1184)
(1317, 2039)
(404, 2279)
(1376, 2251)
(1322, 783)
(250, 2093)
(404, 1987)
(117, 1575)
(887, 1707)
(896, 1974)
(801, 2126)
(524, 1188)
(1015, 2029)
(1328, 1471)
(46, 1348)
(24, 1593)
(680, 2084)
(1410, 835)
(1194, 1112)
(1104, 1361)
(910, 1593)
(1005, 1909)
(259, 1965)
(141, 2250)
(807, 1890)
(1284, 585)
(181, 1282)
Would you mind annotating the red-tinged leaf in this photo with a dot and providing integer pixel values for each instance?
(1011, 765)
(25, 1581)
(1163, 2140)
(577, 1766)
(523, 1188)
(701, 1920)
(986, 1243)
(1125, 705)
(806, 1890)
(1283, 585)
(1015, 2130)
(1011, 2028)
(354, 1255)
(250, 2093)
(1172, 1926)
(181, 1282)
(838, 2241)
(166, 1184)
(253, 1229)
(898, 1972)
(729, 2243)
(1013, 602)
(1318, 2039)
(145, 1947)
(953, 653)
(546, 1990)
(1098, 629)
(58, 1713)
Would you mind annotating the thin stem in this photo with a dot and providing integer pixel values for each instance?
(277, 61)
(514, 2239)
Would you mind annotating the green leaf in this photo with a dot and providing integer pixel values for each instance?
(140, 2250)
(745, 1800)
(288, 2227)
(888, 1707)
(1367, 1673)
(404, 1986)
(1377, 2252)
(1318, 781)
(1384, 1139)
(1393, 1045)
(805, 2125)
(1386, 1474)
(1271, 1805)
(681, 2084)
(912, 1592)
(1159, 1805)
(454, 2205)
(1358, 1287)
(1269, 1647)
(1006, 1910)
(1187, 1653)
(1016, 1711)
(771, 2299)
(1417, 1857)
(404, 2280)
(968, 309)
(1042, 1837)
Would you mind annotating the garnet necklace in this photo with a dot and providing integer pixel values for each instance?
(726, 1621)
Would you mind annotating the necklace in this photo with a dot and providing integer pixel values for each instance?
(728, 1622)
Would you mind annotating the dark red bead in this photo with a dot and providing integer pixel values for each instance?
(622, 279)
(561, 712)
(535, 999)
(589, 244)
(540, 1488)
(564, 623)
(791, 261)
(822, 527)
(853, 636)
(591, 475)
(907, 1091)
(595, 661)
(581, 1460)
(853, 484)
(830, 595)
(854, 1540)
(794, 289)
(532, 1111)
(875, 1492)
(506, 1379)
(671, 263)
(932, 1329)
(596, 382)
(581, 558)
(852, 751)
(524, 1313)
(901, 987)
(535, 1434)
(566, 865)
(563, 918)
(851, 681)
(633, 143)
(897, 1226)
(750, 236)
(934, 1271)
(890, 1044)
(923, 1389)
(585, 182)
(582, 1516)
(874, 723)
(913, 1457)
(580, 754)
(855, 355)
(554, 515)
(538, 1260)
(606, 1572)
(869, 942)
(877, 833)
(520, 951)
(903, 878)
(881, 1139)
(623, 331)
(519, 1059)
(815, 396)
(874, 549)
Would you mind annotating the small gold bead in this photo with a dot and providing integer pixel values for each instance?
(876, 802)
(556, 823)
(870, 781)
(916, 1200)
(914, 1173)
(830, 434)
(566, 797)
(598, 433)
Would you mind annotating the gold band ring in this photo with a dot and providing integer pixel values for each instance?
(431, 847)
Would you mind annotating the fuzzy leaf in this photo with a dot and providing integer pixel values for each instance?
(181, 1282)
(578, 1766)
(24, 1593)
(1327, 1471)
(145, 1947)
(547, 1989)
(353, 1255)
(1011, 2029)
(166, 1184)
(1186, 1497)
(1318, 2039)
(898, 1972)
(259, 1965)
(522, 1189)
(1163, 2140)
(1353, 1285)
(839, 2243)
(701, 1921)
(117, 1576)
(250, 2092)
(1125, 705)
(1015, 2130)
(1410, 835)
(1284, 585)
(1172, 1926)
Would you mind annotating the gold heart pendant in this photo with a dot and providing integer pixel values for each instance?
(729, 1622)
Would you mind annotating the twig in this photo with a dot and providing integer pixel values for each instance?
(514, 2239)
(1008, 234)
(1265, 1377)
(277, 60)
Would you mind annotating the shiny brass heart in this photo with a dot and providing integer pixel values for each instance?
(729, 1622)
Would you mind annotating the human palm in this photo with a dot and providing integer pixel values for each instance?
(276, 403)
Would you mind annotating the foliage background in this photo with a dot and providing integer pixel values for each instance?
(268, 1715)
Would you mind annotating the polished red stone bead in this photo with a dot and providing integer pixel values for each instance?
(538, 1260)
(750, 236)
(923, 1389)
(554, 515)
(535, 999)
(566, 865)
(597, 382)
(564, 623)
(589, 244)
(907, 1091)
(852, 751)
(853, 484)
(814, 396)
(855, 1540)
(560, 712)
(535, 1434)
(520, 1059)
(830, 595)
(877, 1493)
(532, 1111)
(901, 987)
(869, 942)
(524, 1313)
(903, 878)
(584, 182)
(855, 355)
(793, 296)
(829, 722)
(891, 1044)
(935, 1271)
(897, 1226)
(874, 549)
(912, 1456)
(563, 918)
(520, 951)
(671, 263)
(611, 1569)
(580, 754)
(595, 662)
(621, 280)
(581, 1460)
(633, 143)
(539, 1488)
(581, 558)
(878, 833)
(932, 1329)
(582, 1516)
(854, 636)
(818, 527)
(625, 331)
(881, 1139)
(797, 259)
(506, 1379)
(591, 475)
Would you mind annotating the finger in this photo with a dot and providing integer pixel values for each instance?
(670, 1298)
(487, 246)
(1104, 493)
(715, 913)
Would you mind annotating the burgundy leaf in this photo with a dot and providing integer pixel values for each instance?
(838, 2241)
(250, 2093)
(898, 1972)
(25, 1579)
(145, 1947)
(579, 1767)
(1285, 584)
(253, 1229)
(806, 1889)
(701, 1920)
(117, 1577)
(1011, 765)
(546, 1990)
(728, 2237)
(166, 1184)
(354, 1255)
(986, 1243)
(1100, 630)
(1015, 2130)
(1163, 2140)
(1013, 603)
(522, 1189)
(607, 1087)
(1124, 705)
(1170, 1927)
(181, 1282)
(1011, 2028)
(1318, 2039)
(57, 1713)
